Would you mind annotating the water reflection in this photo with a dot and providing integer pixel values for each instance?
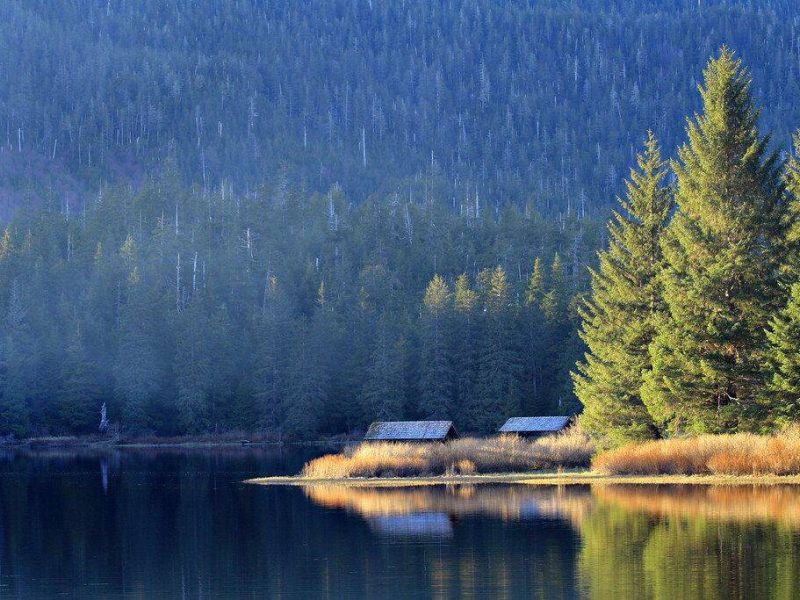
(505, 502)
(181, 524)
(635, 541)
(769, 504)
(415, 525)
(778, 504)
(692, 542)
(430, 512)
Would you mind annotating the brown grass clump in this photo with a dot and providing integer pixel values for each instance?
(378, 459)
(737, 454)
(466, 467)
(468, 456)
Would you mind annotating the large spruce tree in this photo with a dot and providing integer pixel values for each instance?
(781, 395)
(619, 316)
(722, 252)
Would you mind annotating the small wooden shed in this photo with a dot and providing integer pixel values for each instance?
(411, 431)
(533, 427)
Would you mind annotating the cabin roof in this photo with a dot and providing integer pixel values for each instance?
(409, 430)
(534, 424)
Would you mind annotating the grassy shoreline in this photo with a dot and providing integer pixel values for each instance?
(747, 456)
(737, 454)
(569, 450)
(544, 478)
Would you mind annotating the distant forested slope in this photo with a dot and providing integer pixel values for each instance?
(299, 217)
(508, 101)
(283, 311)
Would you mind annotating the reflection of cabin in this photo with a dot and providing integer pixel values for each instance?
(411, 431)
(422, 525)
(534, 427)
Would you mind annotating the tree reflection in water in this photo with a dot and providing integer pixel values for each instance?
(692, 542)
(637, 541)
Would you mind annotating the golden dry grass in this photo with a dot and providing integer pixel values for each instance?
(503, 454)
(737, 454)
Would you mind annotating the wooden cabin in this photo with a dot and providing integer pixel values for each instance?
(534, 427)
(411, 431)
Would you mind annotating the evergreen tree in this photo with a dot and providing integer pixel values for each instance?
(535, 290)
(465, 350)
(383, 395)
(557, 355)
(340, 413)
(535, 332)
(139, 371)
(79, 394)
(722, 251)
(436, 372)
(497, 394)
(619, 318)
(554, 301)
(307, 383)
(17, 367)
(193, 369)
(782, 393)
(270, 361)
(791, 261)
(100, 317)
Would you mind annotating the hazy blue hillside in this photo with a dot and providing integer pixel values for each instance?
(300, 217)
(539, 101)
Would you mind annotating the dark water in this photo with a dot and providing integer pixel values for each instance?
(178, 524)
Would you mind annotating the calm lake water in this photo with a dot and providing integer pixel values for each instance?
(181, 524)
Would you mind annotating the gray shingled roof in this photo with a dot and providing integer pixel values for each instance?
(534, 424)
(408, 430)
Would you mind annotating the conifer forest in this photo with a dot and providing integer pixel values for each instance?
(297, 218)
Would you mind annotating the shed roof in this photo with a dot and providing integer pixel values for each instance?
(409, 430)
(534, 424)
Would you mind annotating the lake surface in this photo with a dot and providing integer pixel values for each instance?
(181, 524)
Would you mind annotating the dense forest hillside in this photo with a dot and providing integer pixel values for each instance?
(283, 311)
(298, 218)
(535, 102)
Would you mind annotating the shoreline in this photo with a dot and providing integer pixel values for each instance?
(541, 478)
(178, 442)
